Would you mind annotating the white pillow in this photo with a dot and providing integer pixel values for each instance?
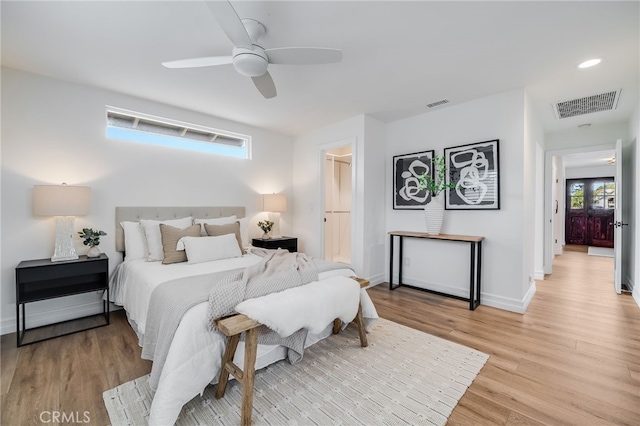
(206, 249)
(214, 221)
(135, 243)
(154, 237)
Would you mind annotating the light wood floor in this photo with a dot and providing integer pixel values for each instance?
(573, 358)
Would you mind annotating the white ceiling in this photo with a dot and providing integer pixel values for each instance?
(397, 56)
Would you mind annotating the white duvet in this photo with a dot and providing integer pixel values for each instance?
(195, 355)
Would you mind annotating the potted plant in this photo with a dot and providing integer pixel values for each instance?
(266, 226)
(434, 209)
(92, 239)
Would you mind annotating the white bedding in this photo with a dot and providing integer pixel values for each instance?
(195, 355)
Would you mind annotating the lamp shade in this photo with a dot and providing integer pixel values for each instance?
(275, 203)
(61, 200)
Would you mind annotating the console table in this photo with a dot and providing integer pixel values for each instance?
(475, 263)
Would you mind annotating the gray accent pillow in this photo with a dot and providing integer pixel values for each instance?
(170, 236)
(231, 228)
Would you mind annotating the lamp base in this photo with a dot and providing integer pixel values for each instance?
(275, 218)
(64, 249)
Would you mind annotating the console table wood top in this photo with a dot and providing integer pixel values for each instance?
(450, 237)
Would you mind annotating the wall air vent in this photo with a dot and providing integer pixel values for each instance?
(603, 102)
(438, 103)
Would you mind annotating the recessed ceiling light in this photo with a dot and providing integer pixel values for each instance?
(590, 63)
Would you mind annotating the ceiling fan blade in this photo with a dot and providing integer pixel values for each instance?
(303, 55)
(199, 62)
(265, 85)
(230, 23)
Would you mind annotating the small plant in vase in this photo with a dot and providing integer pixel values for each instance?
(92, 239)
(266, 226)
(434, 210)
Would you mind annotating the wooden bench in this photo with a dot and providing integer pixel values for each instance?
(233, 327)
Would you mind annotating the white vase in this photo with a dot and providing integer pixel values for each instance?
(434, 215)
(266, 236)
(93, 252)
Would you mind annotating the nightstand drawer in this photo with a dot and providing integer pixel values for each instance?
(285, 243)
(62, 270)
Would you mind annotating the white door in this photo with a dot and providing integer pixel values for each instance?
(617, 221)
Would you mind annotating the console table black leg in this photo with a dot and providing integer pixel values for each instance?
(391, 262)
(479, 276)
(400, 261)
(17, 324)
(472, 275)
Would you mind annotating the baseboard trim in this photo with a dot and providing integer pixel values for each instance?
(38, 319)
(376, 279)
(510, 304)
(635, 291)
(558, 251)
(538, 275)
(487, 299)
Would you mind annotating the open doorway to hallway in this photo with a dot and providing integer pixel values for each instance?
(338, 201)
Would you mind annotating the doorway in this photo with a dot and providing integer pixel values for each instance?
(338, 202)
(589, 217)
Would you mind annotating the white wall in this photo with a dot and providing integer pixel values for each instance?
(443, 265)
(631, 153)
(374, 201)
(533, 191)
(54, 132)
(367, 136)
(589, 172)
(600, 134)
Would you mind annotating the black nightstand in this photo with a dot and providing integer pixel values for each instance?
(289, 243)
(43, 279)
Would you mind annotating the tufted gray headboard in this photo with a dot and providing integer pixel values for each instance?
(134, 214)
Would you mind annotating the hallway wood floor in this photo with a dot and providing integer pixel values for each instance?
(573, 358)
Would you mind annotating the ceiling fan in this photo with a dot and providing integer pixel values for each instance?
(248, 57)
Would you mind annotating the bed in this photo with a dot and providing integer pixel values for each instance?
(194, 357)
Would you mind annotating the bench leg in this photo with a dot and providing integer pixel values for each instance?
(227, 359)
(363, 333)
(250, 353)
(337, 323)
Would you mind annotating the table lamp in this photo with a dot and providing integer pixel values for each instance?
(64, 202)
(275, 204)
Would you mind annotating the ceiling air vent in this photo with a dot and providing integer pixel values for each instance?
(596, 103)
(438, 103)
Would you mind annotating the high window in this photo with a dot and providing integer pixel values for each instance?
(142, 128)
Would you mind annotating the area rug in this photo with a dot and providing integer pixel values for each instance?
(600, 251)
(404, 376)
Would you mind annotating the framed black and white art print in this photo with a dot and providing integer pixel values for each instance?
(406, 170)
(474, 169)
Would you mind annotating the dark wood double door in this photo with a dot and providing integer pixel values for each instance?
(590, 211)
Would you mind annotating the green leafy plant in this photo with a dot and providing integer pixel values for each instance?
(437, 185)
(265, 225)
(91, 237)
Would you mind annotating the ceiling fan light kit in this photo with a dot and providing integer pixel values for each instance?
(250, 63)
(248, 57)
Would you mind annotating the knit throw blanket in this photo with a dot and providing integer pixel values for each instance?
(279, 270)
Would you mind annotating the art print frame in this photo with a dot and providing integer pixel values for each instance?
(406, 169)
(475, 170)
